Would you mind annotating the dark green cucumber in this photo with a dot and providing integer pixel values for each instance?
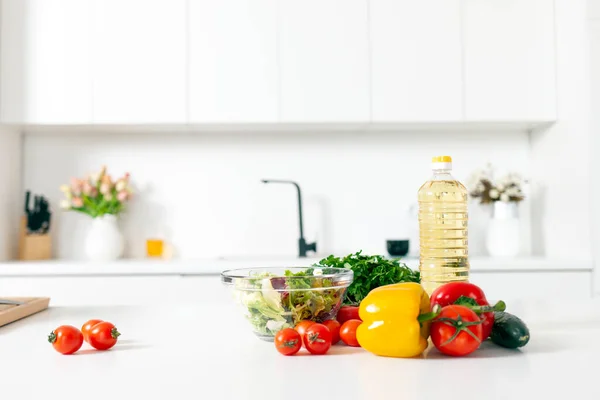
(509, 331)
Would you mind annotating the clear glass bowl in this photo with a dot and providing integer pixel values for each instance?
(272, 299)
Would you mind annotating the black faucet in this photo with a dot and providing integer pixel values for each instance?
(303, 247)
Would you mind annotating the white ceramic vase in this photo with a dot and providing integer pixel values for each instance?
(503, 235)
(104, 241)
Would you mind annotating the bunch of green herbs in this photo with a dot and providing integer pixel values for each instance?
(370, 272)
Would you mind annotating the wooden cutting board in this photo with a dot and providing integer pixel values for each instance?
(11, 313)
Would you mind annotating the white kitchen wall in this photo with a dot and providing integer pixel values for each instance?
(203, 191)
(560, 157)
(10, 207)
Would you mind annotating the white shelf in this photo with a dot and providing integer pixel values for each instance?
(216, 266)
(475, 127)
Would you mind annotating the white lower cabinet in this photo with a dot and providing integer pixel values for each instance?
(521, 286)
(114, 290)
(513, 288)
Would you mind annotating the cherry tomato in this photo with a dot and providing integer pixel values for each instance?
(317, 339)
(346, 313)
(449, 293)
(288, 341)
(103, 336)
(87, 327)
(456, 331)
(302, 326)
(334, 328)
(348, 332)
(66, 339)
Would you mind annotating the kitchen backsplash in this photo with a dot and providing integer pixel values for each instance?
(202, 192)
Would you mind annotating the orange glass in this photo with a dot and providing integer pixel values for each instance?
(154, 247)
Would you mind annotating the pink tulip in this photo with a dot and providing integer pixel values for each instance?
(87, 188)
(77, 202)
(122, 195)
(105, 188)
(106, 179)
(120, 185)
(76, 186)
(93, 192)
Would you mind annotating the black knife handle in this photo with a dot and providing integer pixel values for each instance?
(27, 196)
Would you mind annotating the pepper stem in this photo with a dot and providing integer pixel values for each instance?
(430, 315)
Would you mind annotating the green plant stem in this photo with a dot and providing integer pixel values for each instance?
(499, 306)
(437, 309)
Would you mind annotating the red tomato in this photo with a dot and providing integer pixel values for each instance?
(334, 328)
(348, 332)
(450, 292)
(66, 339)
(302, 326)
(288, 341)
(103, 336)
(317, 339)
(456, 331)
(346, 313)
(87, 327)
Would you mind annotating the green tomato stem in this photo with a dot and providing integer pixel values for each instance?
(114, 333)
(499, 306)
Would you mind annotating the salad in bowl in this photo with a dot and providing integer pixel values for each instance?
(276, 298)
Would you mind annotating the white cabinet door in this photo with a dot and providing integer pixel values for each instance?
(324, 60)
(594, 30)
(416, 60)
(233, 61)
(81, 291)
(593, 9)
(139, 73)
(510, 60)
(45, 47)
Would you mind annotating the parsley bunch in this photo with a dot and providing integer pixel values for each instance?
(370, 272)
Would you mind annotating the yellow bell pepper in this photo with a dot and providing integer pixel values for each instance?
(390, 325)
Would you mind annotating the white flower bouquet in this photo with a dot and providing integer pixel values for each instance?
(482, 186)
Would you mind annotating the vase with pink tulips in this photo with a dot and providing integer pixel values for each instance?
(97, 194)
(103, 199)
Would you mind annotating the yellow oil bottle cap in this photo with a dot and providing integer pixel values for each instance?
(441, 162)
(441, 159)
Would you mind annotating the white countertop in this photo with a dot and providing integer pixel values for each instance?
(216, 266)
(206, 351)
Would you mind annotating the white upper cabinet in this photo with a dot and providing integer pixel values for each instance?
(416, 60)
(139, 62)
(45, 53)
(277, 61)
(233, 61)
(593, 7)
(324, 60)
(509, 60)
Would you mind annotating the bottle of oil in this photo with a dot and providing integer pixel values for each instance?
(443, 221)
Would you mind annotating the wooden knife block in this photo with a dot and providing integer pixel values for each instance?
(33, 247)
